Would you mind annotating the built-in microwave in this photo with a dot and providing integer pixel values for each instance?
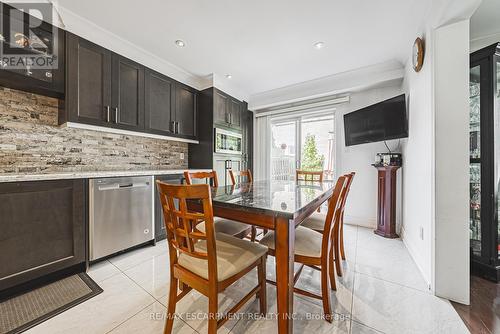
(227, 142)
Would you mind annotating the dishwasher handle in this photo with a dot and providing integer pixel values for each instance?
(116, 186)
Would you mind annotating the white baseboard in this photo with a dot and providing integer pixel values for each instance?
(415, 257)
(361, 221)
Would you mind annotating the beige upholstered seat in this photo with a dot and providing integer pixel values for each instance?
(316, 222)
(307, 242)
(233, 255)
(226, 226)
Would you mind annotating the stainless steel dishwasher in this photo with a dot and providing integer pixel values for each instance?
(121, 214)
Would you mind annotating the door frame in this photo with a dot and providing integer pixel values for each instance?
(297, 119)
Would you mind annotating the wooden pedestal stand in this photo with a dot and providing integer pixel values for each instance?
(386, 208)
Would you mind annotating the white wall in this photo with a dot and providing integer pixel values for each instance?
(435, 192)
(418, 163)
(361, 209)
(451, 91)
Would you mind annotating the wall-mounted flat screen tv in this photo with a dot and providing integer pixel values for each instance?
(382, 121)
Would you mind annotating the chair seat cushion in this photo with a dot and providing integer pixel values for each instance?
(316, 222)
(233, 255)
(227, 226)
(307, 242)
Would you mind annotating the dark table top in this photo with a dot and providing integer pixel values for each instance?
(279, 198)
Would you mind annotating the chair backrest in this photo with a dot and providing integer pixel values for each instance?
(180, 223)
(242, 173)
(202, 175)
(333, 215)
(350, 177)
(308, 175)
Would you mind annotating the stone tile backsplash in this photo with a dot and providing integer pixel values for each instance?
(32, 142)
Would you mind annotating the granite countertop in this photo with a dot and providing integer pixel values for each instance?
(283, 198)
(89, 174)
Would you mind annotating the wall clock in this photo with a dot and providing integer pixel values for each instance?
(418, 54)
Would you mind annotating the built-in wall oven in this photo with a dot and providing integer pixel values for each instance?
(227, 142)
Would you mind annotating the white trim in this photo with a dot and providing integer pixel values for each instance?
(303, 108)
(379, 75)
(98, 35)
(126, 132)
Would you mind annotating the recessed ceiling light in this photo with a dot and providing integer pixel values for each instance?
(180, 43)
(229, 76)
(319, 45)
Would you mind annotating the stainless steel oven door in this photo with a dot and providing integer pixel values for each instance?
(227, 142)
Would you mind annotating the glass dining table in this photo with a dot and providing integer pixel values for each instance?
(279, 206)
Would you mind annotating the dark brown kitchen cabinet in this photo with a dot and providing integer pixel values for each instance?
(235, 109)
(170, 107)
(220, 108)
(103, 88)
(159, 103)
(185, 110)
(160, 232)
(43, 230)
(247, 137)
(109, 90)
(127, 97)
(227, 110)
(88, 82)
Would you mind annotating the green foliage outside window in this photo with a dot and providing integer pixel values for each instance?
(311, 159)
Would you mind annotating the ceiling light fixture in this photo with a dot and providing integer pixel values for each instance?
(180, 43)
(229, 76)
(319, 45)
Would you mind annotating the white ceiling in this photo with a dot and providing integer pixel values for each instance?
(263, 44)
(486, 20)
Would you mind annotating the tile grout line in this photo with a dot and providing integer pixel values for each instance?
(396, 283)
(121, 323)
(155, 299)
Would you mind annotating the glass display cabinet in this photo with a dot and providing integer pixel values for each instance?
(37, 50)
(484, 98)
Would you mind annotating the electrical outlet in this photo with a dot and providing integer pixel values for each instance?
(421, 232)
(182, 156)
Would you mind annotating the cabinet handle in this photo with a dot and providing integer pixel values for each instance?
(177, 129)
(116, 114)
(107, 114)
(230, 118)
(172, 126)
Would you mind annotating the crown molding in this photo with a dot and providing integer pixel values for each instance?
(379, 75)
(89, 30)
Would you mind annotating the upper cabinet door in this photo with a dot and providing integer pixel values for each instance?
(235, 113)
(128, 93)
(185, 110)
(221, 108)
(159, 103)
(88, 84)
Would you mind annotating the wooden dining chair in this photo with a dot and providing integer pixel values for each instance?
(247, 174)
(222, 225)
(313, 249)
(206, 261)
(316, 222)
(309, 175)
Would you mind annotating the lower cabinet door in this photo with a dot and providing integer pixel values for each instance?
(160, 231)
(43, 229)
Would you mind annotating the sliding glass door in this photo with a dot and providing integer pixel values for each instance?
(284, 149)
(302, 142)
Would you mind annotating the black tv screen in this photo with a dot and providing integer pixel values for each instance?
(382, 121)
